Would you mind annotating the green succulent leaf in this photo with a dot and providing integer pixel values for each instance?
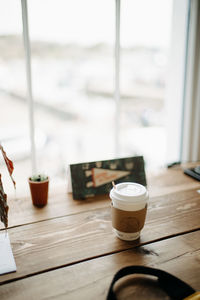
(39, 177)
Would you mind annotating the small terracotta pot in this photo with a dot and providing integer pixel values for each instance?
(39, 192)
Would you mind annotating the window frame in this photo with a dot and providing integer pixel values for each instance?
(190, 146)
(184, 117)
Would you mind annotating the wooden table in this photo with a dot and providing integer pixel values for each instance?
(67, 250)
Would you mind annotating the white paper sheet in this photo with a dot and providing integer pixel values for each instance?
(69, 182)
(7, 262)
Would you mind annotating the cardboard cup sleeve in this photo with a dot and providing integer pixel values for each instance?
(128, 221)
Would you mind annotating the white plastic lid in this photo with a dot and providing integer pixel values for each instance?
(129, 192)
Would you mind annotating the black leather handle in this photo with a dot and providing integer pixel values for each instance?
(173, 286)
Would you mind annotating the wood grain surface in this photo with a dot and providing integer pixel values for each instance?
(61, 203)
(67, 240)
(67, 250)
(91, 279)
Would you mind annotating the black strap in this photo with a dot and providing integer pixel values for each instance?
(173, 286)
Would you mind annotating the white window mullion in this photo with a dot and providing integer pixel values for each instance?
(29, 82)
(117, 78)
(176, 80)
(191, 116)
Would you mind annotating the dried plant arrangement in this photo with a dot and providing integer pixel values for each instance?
(3, 196)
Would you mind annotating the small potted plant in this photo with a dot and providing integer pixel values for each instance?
(39, 185)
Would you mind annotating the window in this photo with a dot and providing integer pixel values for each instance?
(145, 40)
(78, 114)
(14, 123)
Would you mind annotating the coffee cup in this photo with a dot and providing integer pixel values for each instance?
(128, 207)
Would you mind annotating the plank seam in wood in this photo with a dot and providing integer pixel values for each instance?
(99, 256)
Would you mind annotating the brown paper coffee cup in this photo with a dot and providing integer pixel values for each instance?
(129, 207)
(128, 221)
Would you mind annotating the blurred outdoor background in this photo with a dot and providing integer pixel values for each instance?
(72, 48)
